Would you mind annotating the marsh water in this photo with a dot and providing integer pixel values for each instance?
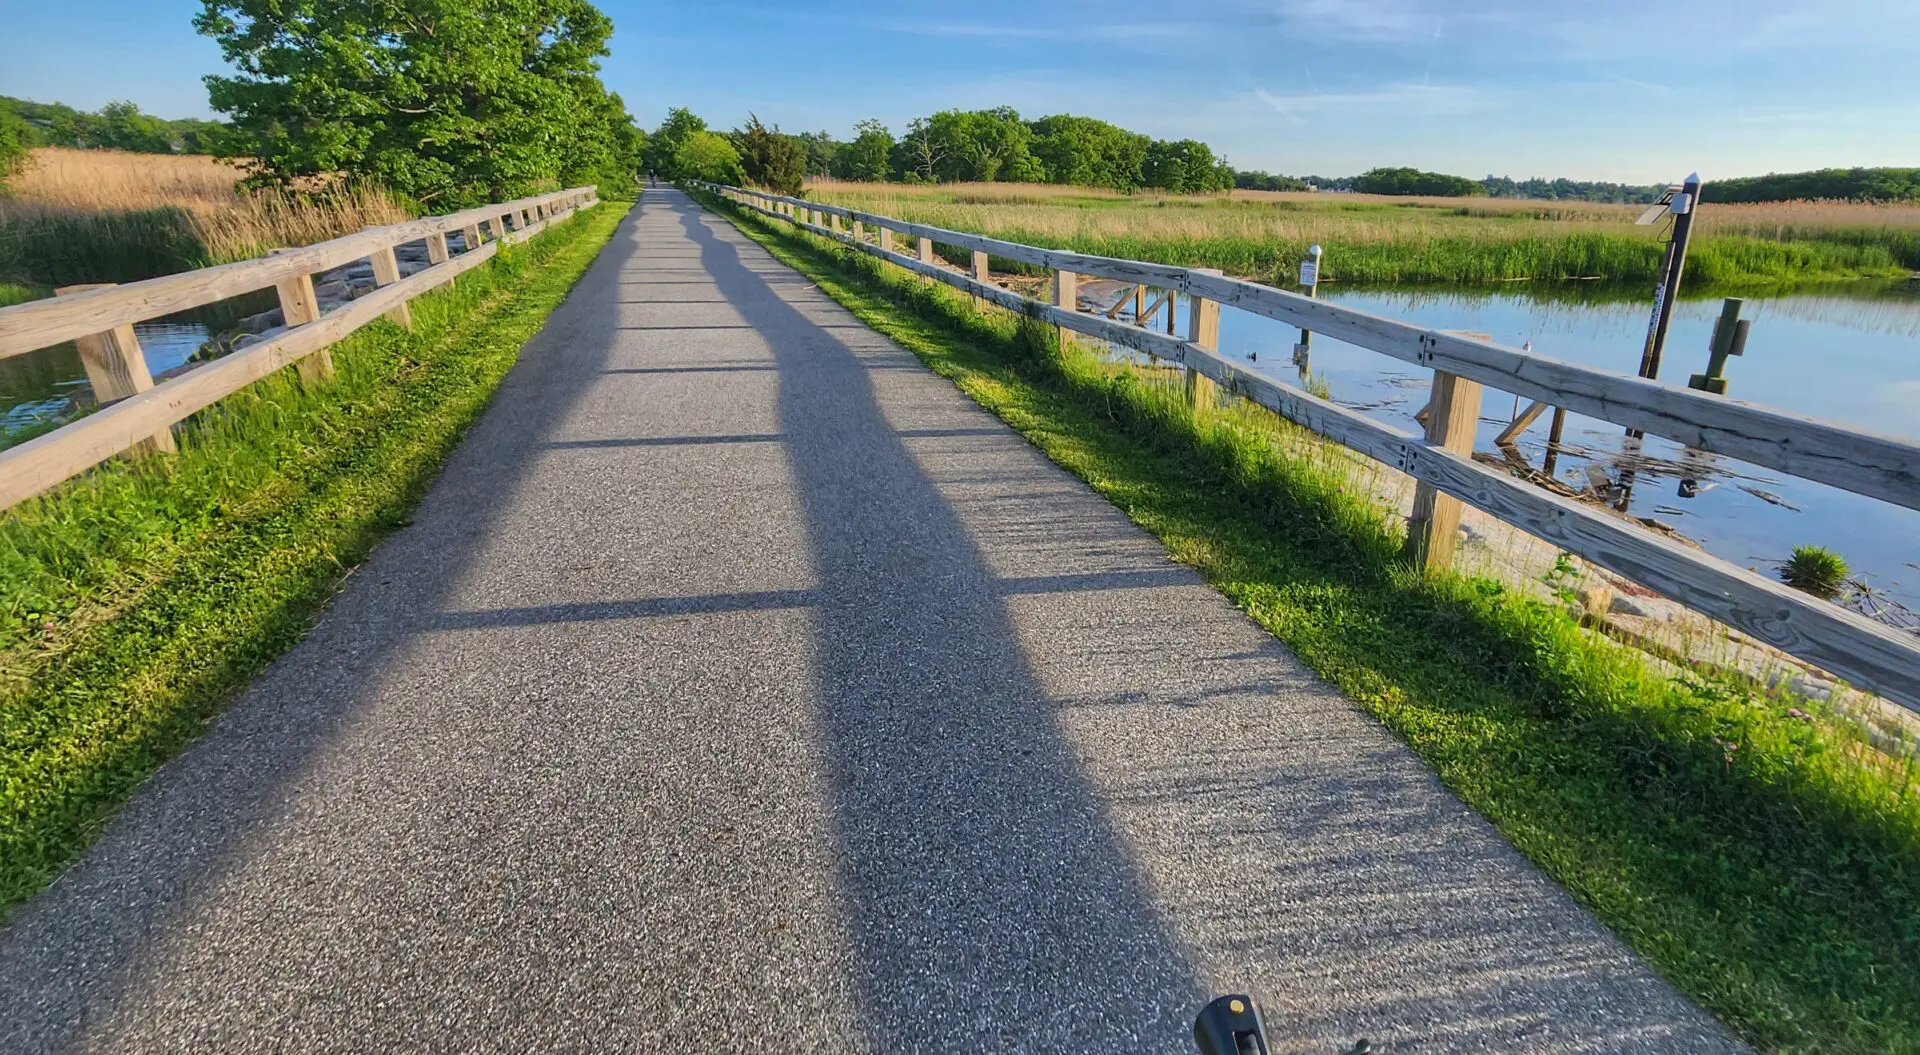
(1846, 358)
(41, 384)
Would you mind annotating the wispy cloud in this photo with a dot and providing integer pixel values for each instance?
(1416, 99)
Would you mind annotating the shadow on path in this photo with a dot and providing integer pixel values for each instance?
(989, 900)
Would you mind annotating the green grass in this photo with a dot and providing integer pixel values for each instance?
(1744, 850)
(12, 293)
(135, 600)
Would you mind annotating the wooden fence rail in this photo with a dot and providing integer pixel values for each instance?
(132, 423)
(1870, 655)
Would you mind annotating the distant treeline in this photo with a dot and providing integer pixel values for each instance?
(963, 145)
(115, 126)
(1861, 184)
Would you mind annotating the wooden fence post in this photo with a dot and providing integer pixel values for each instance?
(117, 368)
(386, 271)
(437, 248)
(886, 239)
(926, 255)
(1066, 295)
(980, 274)
(471, 235)
(299, 306)
(834, 218)
(859, 232)
(1203, 329)
(1453, 414)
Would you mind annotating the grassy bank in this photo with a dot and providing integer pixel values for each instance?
(1748, 853)
(1374, 240)
(78, 216)
(135, 600)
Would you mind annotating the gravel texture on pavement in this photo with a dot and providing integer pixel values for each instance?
(741, 682)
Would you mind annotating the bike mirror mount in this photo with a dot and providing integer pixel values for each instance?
(1230, 1025)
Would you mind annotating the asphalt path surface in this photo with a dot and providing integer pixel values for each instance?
(742, 684)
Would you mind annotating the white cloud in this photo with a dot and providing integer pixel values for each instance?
(1416, 99)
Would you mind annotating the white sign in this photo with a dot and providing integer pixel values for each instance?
(1309, 272)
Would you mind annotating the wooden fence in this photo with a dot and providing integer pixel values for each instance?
(1868, 654)
(139, 416)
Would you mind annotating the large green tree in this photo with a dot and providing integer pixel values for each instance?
(1088, 152)
(705, 155)
(451, 102)
(663, 146)
(771, 159)
(869, 156)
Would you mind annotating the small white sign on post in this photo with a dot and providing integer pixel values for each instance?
(1309, 272)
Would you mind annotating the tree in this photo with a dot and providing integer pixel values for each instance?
(1254, 179)
(1185, 166)
(707, 156)
(771, 160)
(869, 156)
(923, 154)
(15, 135)
(820, 149)
(663, 146)
(451, 102)
(979, 145)
(1088, 152)
(1413, 181)
(121, 126)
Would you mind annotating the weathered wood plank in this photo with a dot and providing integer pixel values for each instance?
(38, 324)
(1867, 463)
(1868, 654)
(1520, 422)
(45, 461)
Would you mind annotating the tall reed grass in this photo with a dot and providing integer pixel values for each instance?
(104, 216)
(1376, 239)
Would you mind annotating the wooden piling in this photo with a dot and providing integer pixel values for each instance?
(117, 368)
(1452, 416)
(1066, 295)
(386, 271)
(1203, 329)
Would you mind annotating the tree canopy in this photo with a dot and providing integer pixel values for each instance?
(1414, 181)
(115, 126)
(770, 159)
(1857, 184)
(451, 102)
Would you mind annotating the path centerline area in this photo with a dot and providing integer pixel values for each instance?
(741, 679)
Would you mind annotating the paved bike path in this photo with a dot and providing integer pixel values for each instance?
(742, 679)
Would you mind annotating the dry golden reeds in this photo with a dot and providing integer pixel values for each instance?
(230, 222)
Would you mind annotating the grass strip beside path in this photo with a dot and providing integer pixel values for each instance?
(136, 599)
(1743, 850)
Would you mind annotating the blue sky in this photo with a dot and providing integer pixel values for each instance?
(1627, 91)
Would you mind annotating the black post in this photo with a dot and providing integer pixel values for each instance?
(1668, 290)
